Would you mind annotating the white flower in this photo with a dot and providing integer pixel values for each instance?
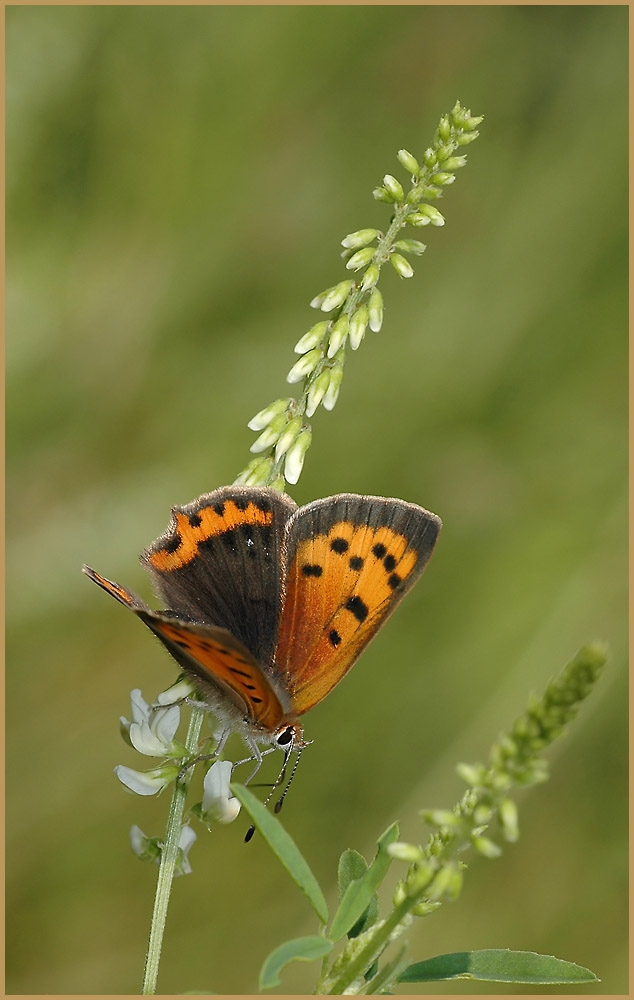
(218, 802)
(146, 782)
(155, 737)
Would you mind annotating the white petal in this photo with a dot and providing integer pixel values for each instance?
(216, 783)
(140, 707)
(144, 740)
(137, 840)
(225, 810)
(141, 782)
(218, 803)
(182, 689)
(165, 722)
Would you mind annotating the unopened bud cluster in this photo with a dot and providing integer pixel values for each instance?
(355, 304)
(435, 872)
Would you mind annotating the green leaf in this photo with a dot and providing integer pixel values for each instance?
(304, 949)
(285, 848)
(358, 894)
(497, 965)
(353, 866)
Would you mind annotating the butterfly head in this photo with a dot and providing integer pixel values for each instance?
(289, 737)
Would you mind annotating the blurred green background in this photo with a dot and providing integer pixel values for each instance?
(179, 179)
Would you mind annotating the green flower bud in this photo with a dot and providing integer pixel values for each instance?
(287, 437)
(400, 894)
(260, 473)
(336, 296)
(486, 847)
(278, 484)
(472, 123)
(424, 909)
(241, 480)
(338, 335)
(418, 877)
(443, 884)
(360, 259)
(380, 194)
(265, 416)
(454, 162)
(393, 188)
(472, 774)
(270, 435)
(418, 219)
(443, 178)
(316, 302)
(466, 138)
(332, 392)
(370, 278)
(405, 852)
(431, 192)
(375, 310)
(441, 817)
(311, 339)
(410, 246)
(482, 813)
(317, 392)
(414, 195)
(430, 157)
(507, 811)
(304, 366)
(409, 162)
(435, 217)
(458, 115)
(358, 324)
(401, 266)
(444, 128)
(295, 456)
(359, 239)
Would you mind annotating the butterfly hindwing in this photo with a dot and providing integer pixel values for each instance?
(219, 563)
(351, 559)
(217, 662)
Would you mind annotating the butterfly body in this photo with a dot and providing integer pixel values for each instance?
(270, 604)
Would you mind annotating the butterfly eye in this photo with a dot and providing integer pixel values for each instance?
(285, 737)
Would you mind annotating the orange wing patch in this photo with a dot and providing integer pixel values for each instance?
(179, 545)
(341, 588)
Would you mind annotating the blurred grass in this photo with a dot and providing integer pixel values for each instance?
(178, 180)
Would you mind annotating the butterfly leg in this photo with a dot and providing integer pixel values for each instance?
(224, 736)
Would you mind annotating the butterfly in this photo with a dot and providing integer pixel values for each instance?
(270, 604)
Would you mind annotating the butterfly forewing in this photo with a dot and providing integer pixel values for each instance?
(219, 563)
(351, 559)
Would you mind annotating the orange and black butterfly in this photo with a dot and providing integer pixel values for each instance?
(269, 605)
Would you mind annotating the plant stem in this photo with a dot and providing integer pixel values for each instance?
(169, 857)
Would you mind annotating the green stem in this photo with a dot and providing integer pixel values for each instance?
(169, 857)
(379, 938)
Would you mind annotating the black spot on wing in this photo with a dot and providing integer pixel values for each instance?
(309, 569)
(357, 607)
(339, 545)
